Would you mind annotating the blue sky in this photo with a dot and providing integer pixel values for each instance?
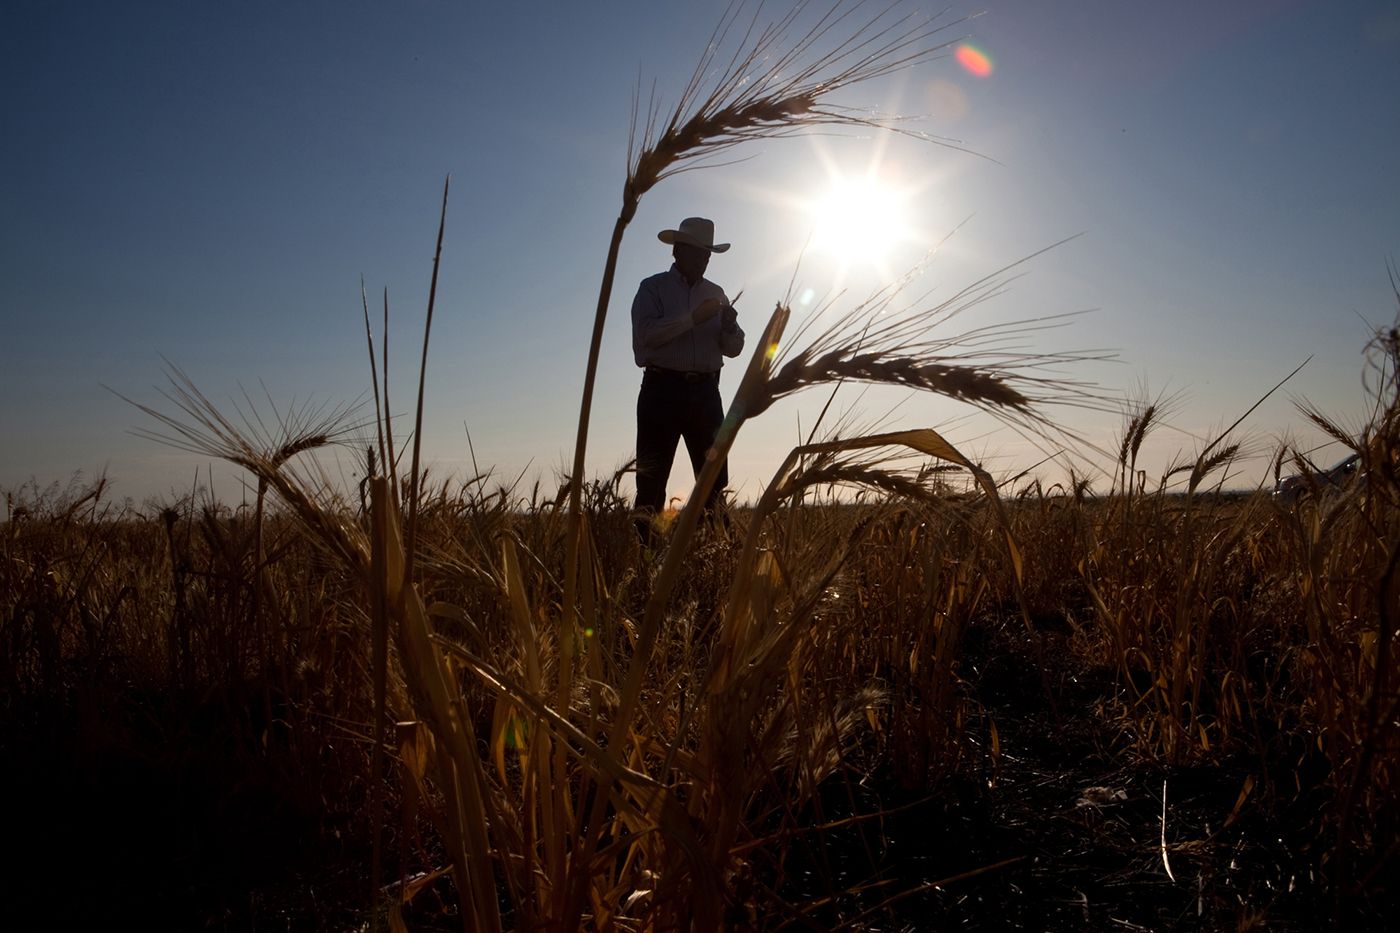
(208, 183)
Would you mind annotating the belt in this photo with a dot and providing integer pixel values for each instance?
(683, 375)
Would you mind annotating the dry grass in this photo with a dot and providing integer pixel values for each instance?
(775, 726)
(1226, 633)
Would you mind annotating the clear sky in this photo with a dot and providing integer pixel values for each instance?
(209, 181)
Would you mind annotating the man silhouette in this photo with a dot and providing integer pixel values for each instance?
(682, 327)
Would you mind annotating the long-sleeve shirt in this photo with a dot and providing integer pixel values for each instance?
(663, 333)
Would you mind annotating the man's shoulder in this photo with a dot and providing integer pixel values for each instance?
(658, 280)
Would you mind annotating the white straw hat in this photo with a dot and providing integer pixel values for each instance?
(697, 231)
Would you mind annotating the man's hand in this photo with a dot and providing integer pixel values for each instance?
(706, 310)
(731, 317)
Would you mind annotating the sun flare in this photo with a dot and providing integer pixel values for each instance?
(860, 220)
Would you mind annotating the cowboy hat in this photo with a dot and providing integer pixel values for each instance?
(696, 231)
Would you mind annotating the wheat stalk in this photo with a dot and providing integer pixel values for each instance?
(267, 448)
(965, 383)
(773, 87)
(992, 367)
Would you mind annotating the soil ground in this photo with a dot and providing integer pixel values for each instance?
(1067, 831)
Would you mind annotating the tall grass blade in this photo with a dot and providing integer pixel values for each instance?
(459, 769)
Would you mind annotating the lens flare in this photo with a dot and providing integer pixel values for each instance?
(974, 60)
(515, 734)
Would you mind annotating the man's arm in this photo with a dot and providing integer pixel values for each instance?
(731, 335)
(650, 331)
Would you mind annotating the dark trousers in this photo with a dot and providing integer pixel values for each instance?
(670, 407)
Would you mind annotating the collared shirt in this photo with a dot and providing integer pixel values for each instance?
(663, 333)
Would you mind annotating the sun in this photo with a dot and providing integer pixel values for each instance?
(859, 220)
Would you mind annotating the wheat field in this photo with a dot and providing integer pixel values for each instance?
(1185, 707)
